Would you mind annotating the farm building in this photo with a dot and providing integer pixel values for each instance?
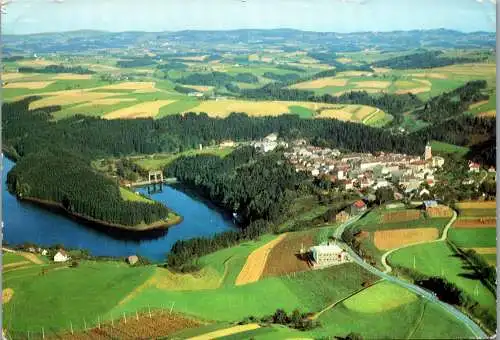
(430, 204)
(132, 259)
(326, 255)
(61, 256)
(358, 207)
(342, 216)
(273, 137)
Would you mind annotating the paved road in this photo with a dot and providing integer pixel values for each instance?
(473, 327)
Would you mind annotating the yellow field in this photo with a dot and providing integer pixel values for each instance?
(340, 114)
(71, 76)
(109, 101)
(226, 332)
(7, 294)
(200, 87)
(491, 113)
(430, 75)
(373, 84)
(389, 239)
(253, 57)
(363, 112)
(473, 106)
(477, 205)
(256, 262)
(70, 97)
(320, 83)
(142, 110)
(308, 60)
(32, 85)
(13, 75)
(344, 60)
(485, 250)
(415, 90)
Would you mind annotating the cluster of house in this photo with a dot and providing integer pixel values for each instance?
(60, 256)
(366, 170)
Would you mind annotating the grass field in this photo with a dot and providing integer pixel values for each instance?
(312, 290)
(473, 237)
(438, 259)
(445, 148)
(380, 297)
(9, 258)
(162, 160)
(129, 195)
(67, 294)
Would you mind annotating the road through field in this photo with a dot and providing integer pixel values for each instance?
(473, 327)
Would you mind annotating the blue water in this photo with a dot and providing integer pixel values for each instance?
(25, 222)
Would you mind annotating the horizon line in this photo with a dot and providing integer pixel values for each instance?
(250, 29)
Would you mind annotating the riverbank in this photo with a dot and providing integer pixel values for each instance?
(58, 207)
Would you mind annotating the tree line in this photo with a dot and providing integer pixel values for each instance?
(56, 69)
(217, 78)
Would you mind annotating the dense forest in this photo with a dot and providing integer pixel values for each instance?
(259, 188)
(422, 60)
(61, 177)
(56, 69)
(452, 103)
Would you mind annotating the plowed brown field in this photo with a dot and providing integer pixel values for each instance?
(143, 327)
(389, 239)
(283, 257)
(400, 216)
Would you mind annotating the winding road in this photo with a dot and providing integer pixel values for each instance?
(473, 327)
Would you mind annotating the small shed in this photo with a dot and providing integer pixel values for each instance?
(132, 259)
(342, 216)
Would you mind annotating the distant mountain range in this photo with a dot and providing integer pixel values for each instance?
(80, 41)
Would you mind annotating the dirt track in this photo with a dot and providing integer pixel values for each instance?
(227, 331)
(256, 262)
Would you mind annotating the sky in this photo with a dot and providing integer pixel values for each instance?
(37, 16)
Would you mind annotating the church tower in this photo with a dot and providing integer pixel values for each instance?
(428, 152)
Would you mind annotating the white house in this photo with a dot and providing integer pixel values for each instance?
(474, 167)
(437, 161)
(273, 137)
(61, 256)
(330, 254)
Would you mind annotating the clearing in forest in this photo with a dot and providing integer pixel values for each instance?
(285, 258)
(390, 239)
(142, 110)
(256, 262)
(31, 85)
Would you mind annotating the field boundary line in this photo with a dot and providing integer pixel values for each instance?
(226, 332)
(330, 306)
(444, 236)
(419, 321)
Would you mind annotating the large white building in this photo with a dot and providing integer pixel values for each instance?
(329, 254)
